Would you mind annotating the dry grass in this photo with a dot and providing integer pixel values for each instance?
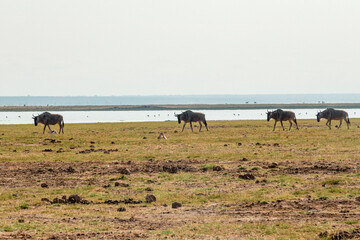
(306, 181)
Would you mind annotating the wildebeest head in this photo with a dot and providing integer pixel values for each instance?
(182, 116)
(269, 115)
(35, 120)
(272, 114)
(178, 117)
(319, 115)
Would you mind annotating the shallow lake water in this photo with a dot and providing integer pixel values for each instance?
(155, 116)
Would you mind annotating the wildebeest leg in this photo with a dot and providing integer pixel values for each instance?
(290, 124)
(60, 128)
(340, 123)
(297, 127)
(44, 128)
(49, 128)
(200, 126)
(183, 127)
(191, 127)
(328, 123)
(274, 125)
(282, 125)
(206, 125)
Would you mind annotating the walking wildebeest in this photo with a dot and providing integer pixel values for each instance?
(48, 119)
(189, 117)
(332, 114)
(280, 115)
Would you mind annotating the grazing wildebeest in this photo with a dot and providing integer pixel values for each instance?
(280, 115)
(189, 117)
(332, 114)
(48, 119)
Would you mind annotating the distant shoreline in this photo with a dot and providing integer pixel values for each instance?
(177, 107)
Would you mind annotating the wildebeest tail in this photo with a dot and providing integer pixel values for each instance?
(295, 120)
(348, 121)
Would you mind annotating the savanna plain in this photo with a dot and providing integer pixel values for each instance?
(239, 180)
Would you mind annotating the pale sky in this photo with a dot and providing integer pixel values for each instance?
(88, 47)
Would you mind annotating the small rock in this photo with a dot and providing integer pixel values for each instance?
(176, 205)
(21, 220)
(74, 198)
(225, 145)
(44, 185)
(357, 199)
(239, 144)
(144, 137)
(273, 165)
(60, 150)
(124, 171)
(247, 176)
(121, 209)
(150, 198)
(217, 168)
(149, 189)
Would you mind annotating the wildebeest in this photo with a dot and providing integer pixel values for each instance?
(189, 117)
(48, 119)
(281, 115)
(332, 114)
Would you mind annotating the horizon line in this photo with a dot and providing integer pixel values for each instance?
(174, 95)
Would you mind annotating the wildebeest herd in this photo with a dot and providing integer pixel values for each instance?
(189, 116)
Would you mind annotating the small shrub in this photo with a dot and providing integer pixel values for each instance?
(331, 182)
(351, 222)
(24, 206)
